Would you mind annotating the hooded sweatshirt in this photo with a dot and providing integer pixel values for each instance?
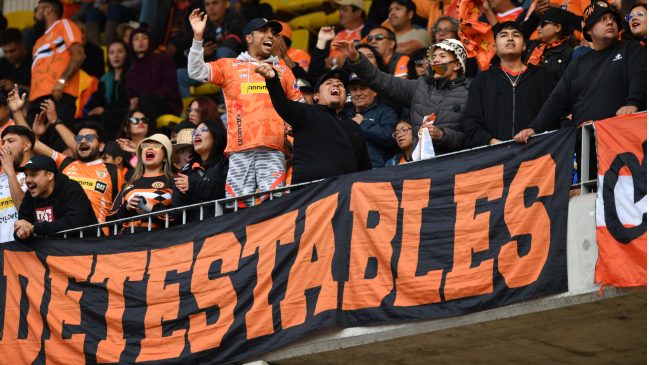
(66, 207)
(153, 73)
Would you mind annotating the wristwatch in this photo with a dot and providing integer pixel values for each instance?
(61, 81)
(56, 122)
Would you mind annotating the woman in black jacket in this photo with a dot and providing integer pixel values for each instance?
(203, 179)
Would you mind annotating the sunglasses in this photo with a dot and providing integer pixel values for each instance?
(135, 120)
(543, 23)
(419, 63)
(444, 30)
(403, 131)
(89, 138)
(378, 37)
(630, 16)
(438, 69)
(189, 110)
(200, 130)
(156, 146)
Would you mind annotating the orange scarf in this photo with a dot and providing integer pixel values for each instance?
(537, 55)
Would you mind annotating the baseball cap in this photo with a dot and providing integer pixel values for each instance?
(333, 74)
(122, 27)
(354, 77)
(113, 148)
(260, 23)
(39, 162)
(593, 12)
(286, 30)
(559, 16)
(357, 3)
(304, 85)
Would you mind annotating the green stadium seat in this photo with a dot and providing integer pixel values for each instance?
(20, 19)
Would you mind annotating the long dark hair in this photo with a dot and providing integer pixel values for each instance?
(124, 129)
(219, 134)
(415, 56)
(379, 59)
(127, 62)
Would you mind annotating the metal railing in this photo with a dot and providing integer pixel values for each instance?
(219, 205)
(219, 208)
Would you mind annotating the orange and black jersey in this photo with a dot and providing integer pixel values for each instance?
(154, 188)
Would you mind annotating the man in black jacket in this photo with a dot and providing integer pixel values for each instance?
(327, 143)
(54, 203)
(505, 99)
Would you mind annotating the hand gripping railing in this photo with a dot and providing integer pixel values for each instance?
(219, 207)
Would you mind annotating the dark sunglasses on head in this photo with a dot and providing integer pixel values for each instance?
(202, 131)
(89, 138)
(630, 16)
(543, 23)
(378, 37)
(135, 120)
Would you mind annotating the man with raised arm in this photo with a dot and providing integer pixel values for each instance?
(327, 142)
(255, 132)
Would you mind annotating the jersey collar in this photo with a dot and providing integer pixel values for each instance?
(55, 23)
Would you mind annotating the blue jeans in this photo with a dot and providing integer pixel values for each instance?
(184, 81)
(148, 12)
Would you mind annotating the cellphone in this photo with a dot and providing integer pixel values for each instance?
(141, 202)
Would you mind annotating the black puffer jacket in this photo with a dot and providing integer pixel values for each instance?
(424, 96)
(555, 60)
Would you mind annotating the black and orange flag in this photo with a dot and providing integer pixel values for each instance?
(477, 37)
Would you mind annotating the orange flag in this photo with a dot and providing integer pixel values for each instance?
(477, 37)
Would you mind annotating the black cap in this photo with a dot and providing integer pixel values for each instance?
(593, 12)
(333, 74)
(39, 162)
(114, 149)
(559, 16)
(185, 124)
(260, 23)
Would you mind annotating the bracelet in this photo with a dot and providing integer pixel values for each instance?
(61, 81)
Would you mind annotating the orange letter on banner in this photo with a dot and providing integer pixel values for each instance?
(264, 235)
(209, 293)
(163, 301)
(117, 269)
(64, 308)
(472, 233)
(520, 271)
(414, 290)
(370, 242)
(25, 264)
(319, 235)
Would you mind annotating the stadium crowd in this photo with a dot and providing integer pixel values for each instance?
(86, 136)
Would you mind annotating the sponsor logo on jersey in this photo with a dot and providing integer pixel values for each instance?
(91, 184)
(239, 109)
(71, 170)
(6, 203)
(101, 174)
(158, 184)
(235, 64)
(244, 75)
(254, 88)
(44, 214)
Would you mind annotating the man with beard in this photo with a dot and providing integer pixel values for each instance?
(101, 181)
(54, 202)
(17, 146)
(611, 80)
(58, 55)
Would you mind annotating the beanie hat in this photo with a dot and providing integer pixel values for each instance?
(160, 138)
(451, 45)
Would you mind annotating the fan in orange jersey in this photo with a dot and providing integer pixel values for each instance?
(256, 135)
(58, 55)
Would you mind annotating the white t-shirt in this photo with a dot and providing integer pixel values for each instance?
(8, 212)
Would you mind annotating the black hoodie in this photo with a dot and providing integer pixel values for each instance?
(66, 207)
(496, 109)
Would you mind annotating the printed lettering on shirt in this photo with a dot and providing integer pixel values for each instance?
(44, 214)
(6, 203)
(254, 88)
(91, 184)
(237, 63)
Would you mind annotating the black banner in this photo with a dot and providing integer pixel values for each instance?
(438, 238)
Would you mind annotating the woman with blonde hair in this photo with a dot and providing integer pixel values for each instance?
(149, 188)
